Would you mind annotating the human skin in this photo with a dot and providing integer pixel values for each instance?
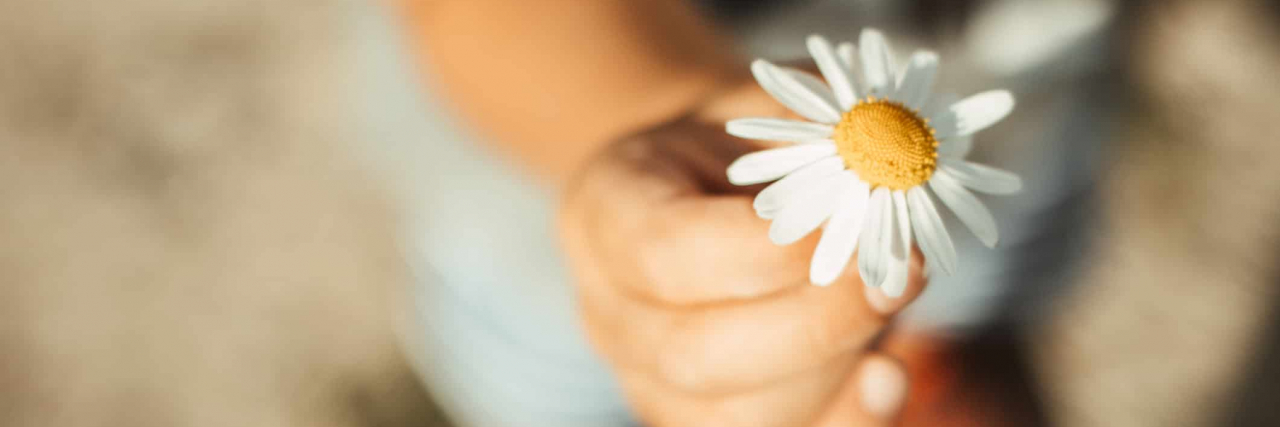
(549, 82)
(620, 106)
(705, 320)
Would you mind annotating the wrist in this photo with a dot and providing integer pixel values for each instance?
(550, 82)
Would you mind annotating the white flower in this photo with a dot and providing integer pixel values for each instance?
(862, 160)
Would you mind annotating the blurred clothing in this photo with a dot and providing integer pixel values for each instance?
(499, 344)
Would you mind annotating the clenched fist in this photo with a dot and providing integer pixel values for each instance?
(704, 320)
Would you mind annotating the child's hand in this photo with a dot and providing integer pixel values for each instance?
(705, 321)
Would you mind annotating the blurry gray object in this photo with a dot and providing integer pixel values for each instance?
(1011, 38)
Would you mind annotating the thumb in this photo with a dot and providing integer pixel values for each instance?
(872, 397)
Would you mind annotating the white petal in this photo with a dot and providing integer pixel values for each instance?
(956, 147)
(895, 281)
(941, 119)
(897, 272)
(967, 207)
(917, 79)
(875, 238)
(877, 63)
(774, 197)
(807, 210)
(832, 69)
(768, 165)
(778, 129)
(840, 237)
(809, 90)
(902, 216)
(813, 83)
(846, 52)
(981, 178)
(932, 234)
(979, 111)
(795, 95)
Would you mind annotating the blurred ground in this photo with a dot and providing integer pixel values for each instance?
(1174, 322)
(186, 239)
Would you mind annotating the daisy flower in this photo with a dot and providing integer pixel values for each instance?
(863, 160)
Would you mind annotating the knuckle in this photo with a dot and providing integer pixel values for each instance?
(682, 364)
(676, 370)
(709, 358)
(664, 258)
(840, 327)
(826, 339)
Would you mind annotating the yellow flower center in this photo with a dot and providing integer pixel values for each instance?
(887, 144)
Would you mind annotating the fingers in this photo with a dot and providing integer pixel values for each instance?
(729, 346)
(792, 401)
(648, 208)
(641, 207)
(873, 397)
(702, 316)
(723, 246)
(687, 286)
(740, 343)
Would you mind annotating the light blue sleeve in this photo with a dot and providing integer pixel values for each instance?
(495, 330)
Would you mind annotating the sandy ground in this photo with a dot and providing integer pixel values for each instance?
(186, 239)
(1174, 323)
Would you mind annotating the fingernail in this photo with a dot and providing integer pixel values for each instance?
(883, 386)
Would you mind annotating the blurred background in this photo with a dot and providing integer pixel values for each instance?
(252, 212)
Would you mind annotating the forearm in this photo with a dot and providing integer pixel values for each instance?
(550, 81)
